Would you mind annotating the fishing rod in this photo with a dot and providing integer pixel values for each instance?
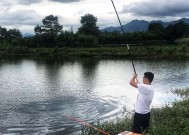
(85, 124)
(123, 35)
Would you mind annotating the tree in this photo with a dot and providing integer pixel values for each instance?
(89, 26)
(8, 35)
(86, 40)
(3, 33)
(50, 26)
(169, 33)
(177, 30)
(39, 30)
(181, 29)
(65, 38)
(14, 33)
(157, 29)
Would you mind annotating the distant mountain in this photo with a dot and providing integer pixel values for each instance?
(141, 25)
(135, 25)
(27, 35)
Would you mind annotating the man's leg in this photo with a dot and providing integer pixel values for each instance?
(145, 122)
(137, 124)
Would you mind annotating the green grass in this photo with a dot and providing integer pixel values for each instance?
(166, 51)
(171, 119)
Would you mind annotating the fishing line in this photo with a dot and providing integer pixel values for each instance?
(85, 124)
(123, 35)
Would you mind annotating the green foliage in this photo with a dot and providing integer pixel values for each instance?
(18, 42)
(183, 93)
(172, 119)
(157, 29)
(8, 35)
(90, 49)
(111, 127)
(89, 26)
(45, 40)
(50, 26)
(65, 39)
(3, 33)
(177, 30)
(14, 33)
(86, 41)
(170, 51)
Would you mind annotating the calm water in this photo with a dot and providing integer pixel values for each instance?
(36, 94)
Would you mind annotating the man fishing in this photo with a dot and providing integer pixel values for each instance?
(144, 100)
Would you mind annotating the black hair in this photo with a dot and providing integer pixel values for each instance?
(149, 75)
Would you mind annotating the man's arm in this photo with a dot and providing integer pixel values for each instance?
(134, 81)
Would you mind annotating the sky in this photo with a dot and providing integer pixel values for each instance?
(26, 14)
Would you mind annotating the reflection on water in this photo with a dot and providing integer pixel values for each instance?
(36, 94)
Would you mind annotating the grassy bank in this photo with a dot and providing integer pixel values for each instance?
(171, 119)
(166, 51)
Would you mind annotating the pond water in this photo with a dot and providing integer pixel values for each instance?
(36, 94)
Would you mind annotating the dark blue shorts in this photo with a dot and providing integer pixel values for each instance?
(141, 123)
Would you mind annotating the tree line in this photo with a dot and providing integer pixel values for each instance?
(51, 34)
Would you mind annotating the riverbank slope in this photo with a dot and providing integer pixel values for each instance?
(171, 119)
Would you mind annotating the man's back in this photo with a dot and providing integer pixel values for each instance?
(144, 98)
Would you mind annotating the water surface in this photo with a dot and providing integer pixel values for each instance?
(36, 94)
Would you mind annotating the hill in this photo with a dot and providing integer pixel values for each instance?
(141, 25)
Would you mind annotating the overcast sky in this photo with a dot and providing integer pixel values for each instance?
(26, 14)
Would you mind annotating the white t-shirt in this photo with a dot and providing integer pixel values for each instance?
(144, 99)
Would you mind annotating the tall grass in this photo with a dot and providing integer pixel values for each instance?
(179, 51)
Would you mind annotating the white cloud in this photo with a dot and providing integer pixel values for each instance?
(20, 17)
(26, 14)
(160, 8)
(66, 1)
(28, 2)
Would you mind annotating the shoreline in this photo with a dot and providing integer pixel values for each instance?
(137, 52)
(168, 120)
